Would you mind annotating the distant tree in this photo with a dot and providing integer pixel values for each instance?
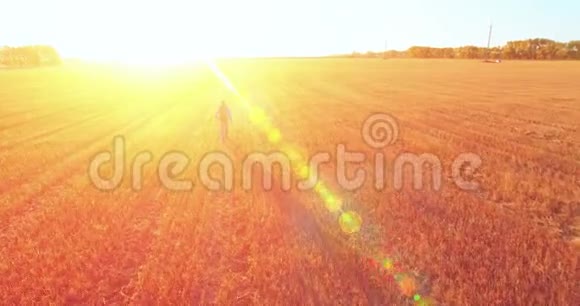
(448, 53)
(495, 53)
(419, 52)
(29, 56)
(49, 55)
(5, 56)
(530, 49)
(562, 53)
(470, 52)
(395, 54)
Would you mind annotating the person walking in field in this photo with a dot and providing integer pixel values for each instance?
(225, 117)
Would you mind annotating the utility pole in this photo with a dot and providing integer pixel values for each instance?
(489, 39)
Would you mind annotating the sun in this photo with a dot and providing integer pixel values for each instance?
(159, 56)
(136, 33)
(158, 33)
(141, 47)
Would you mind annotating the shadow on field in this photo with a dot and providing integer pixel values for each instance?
(351, 266)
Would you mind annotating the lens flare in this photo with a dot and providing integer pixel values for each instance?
(258, 116)
(350, 222)
(423, 301)
(321, 189)
(408, 286)
(304, 172)
(388, 264)
(274, 136)
(293, 154)
(332, 203)
(214, 68)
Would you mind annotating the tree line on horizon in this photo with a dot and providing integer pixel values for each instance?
(29, 56)
(530, 49)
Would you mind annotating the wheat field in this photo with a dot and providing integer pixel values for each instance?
(513, 241)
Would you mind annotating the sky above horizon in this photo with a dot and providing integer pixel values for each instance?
(112, 29)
